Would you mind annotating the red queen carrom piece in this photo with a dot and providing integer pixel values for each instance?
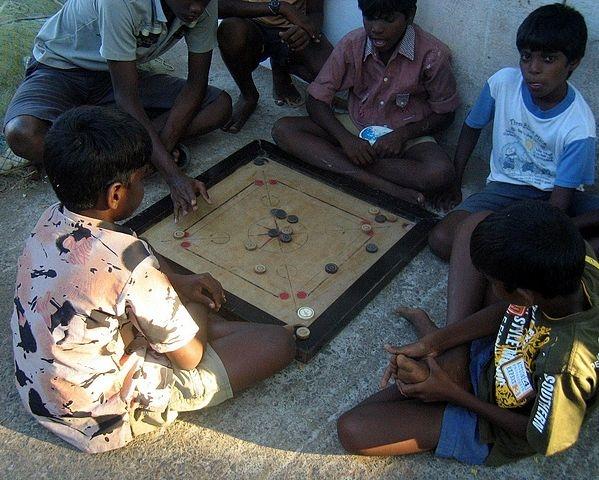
(258, 183)
(186, 244)
(284, 296)
(301, 294)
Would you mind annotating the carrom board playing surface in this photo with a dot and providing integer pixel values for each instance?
(290, 246)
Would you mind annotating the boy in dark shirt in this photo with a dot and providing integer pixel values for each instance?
(533, 369)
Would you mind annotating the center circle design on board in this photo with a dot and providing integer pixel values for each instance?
(258, 232)
(286, 271)
(270, 200)
(220, 238)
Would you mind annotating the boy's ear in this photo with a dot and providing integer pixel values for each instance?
(114, 195)
(573, 65)
(528, 296)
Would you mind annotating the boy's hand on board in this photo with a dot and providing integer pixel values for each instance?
(359, 151)
(184, 193)
(202, 288)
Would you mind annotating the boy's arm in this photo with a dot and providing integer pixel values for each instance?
(561, 197)
(125, 80)
(466, 144)
(244, 9)
(391, 144)
(576, 167)
(201, 288)
(359, 151)
(439, 388)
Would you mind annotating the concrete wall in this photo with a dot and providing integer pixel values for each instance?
(481, 35)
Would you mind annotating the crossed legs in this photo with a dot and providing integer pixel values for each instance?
(424, 168)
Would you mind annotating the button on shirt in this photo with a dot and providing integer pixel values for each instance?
(416, 82)
(87, 33)
(93, 319)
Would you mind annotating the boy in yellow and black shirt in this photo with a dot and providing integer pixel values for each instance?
(534, 356)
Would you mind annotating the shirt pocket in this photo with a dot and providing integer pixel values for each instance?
(402, 100)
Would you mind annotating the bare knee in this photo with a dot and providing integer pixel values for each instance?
(232, 35)
(440, 239)
(281, 131)
(224, 108)
(25, 136)
(349, 432)
(439, 177)
(281, 343)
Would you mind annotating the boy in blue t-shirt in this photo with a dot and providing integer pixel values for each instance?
(543, 130)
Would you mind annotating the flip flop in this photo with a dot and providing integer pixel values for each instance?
(184, 155)
(289, 102)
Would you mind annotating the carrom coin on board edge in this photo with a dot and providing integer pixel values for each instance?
(302, 333)
(178, 234)
(305, 313)
(374, 210)
(371, 248)
(331, 268)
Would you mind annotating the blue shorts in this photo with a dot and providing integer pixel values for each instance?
(459, 430)
(498, 195)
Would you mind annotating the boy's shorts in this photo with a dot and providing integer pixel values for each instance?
(498, 195)
(47, 92)
(206, 385)
(459, 429)
(273, 48)
(352, 128)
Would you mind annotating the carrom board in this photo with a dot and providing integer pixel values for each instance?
(322, 274)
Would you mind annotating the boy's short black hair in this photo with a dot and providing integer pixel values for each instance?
(554, 28)
(89, 148)
(530, 245)
(384, 8)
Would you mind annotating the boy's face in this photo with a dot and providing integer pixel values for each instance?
(133, 194)
(187, 10)
(386, 32)
(545, 73)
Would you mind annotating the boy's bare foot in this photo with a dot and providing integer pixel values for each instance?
(242, 111)
(410, 370)
(419, 320)
(284, 91)
(411, 196)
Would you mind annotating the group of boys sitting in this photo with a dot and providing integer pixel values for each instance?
(110, 343)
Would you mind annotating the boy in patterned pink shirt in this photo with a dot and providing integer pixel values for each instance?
(397, 76)
(108, 343)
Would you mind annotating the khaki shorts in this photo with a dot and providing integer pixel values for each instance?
(206, 385)
(351, 127)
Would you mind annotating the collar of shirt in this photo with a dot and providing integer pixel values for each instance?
(406, 47)
(94, 222)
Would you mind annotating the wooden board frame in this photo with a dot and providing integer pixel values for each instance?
(364, 288)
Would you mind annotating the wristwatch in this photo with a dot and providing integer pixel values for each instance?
(274, 6)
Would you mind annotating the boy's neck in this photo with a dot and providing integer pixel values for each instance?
(564, 305)
(553, 99)
(102, 215)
